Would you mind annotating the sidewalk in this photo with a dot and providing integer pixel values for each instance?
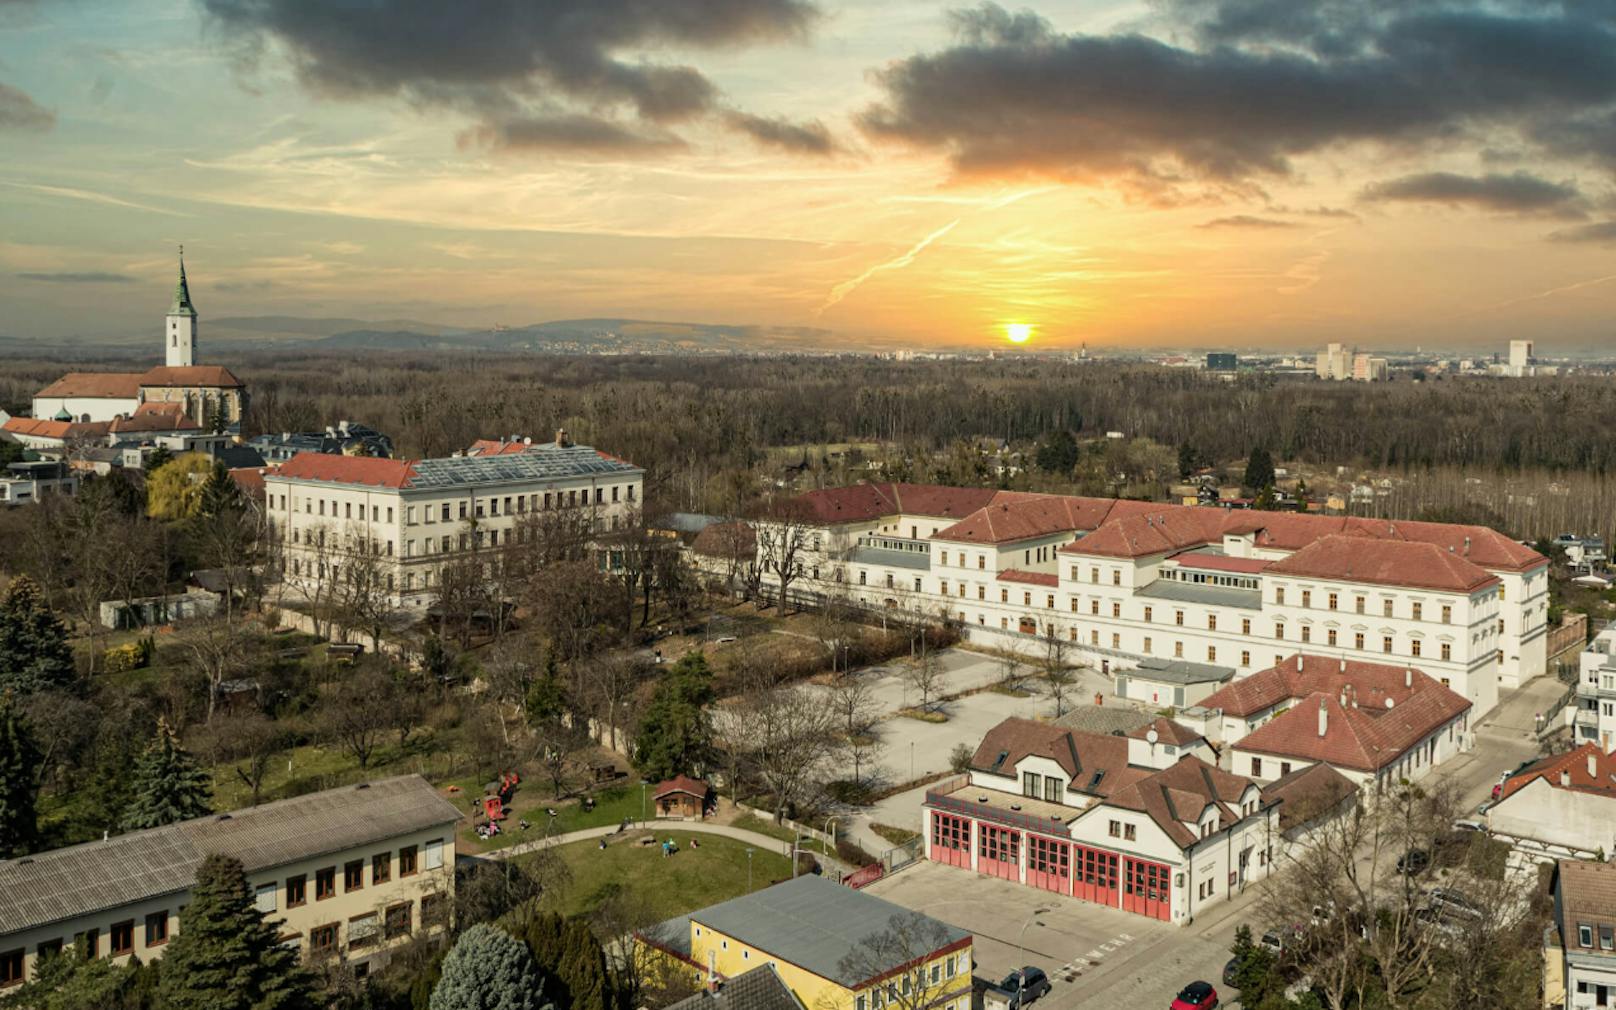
(672, 827)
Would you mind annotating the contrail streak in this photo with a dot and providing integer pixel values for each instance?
(847, 287)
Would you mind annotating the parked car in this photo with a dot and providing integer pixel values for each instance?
(1196, 996)
(1025, 985)
(1484, 806)
(1469, 824)
(1229, 971)
(1413, 862)
(1274, 940)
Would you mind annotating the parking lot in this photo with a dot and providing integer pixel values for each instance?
(1095, 956)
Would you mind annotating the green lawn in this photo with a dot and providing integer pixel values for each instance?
(611, 806)
(690, 879)
(764, 826)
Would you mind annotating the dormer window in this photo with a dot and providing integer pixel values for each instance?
(1094, 783)
(998, 762)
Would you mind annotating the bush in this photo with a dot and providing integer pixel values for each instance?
(272, 618)
(959, 759)
(133, 656)
(857, 794)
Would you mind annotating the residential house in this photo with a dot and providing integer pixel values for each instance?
(1559, 806)
(1579, 955)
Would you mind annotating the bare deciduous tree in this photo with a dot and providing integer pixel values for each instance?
(901, 955)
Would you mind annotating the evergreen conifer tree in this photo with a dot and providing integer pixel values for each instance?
(169, 786)
(675, 734)
(219, 494)
(583, 970)
(19, 783)
(34, 655)
(226, 955)
(1259, 470)
(488, 969)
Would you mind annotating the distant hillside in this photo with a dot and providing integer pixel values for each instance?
(298, 329)
(586, 336)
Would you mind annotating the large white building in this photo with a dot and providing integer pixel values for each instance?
(414, 517)
(1140, 823)
(1116, 582)
(1594, 714)
(1522, 359)
(348, 873)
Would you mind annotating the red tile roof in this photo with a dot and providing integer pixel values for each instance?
(1016, 516)
(497, 447)
(154, 420)
(1096, 764)
(1573, 763)
(1302, 674)
(110, 385)
(42, 428)
(1049, 579)
(191, 375)
(1167, 530)
(1307, 793)
(682, 784)
(1167, 731)
(726, 540)
(1362, 738)
(250, 480)
(348, 469)
(1356, 558)
(1182, 792)
(863, 502)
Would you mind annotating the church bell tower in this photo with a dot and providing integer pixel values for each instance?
(179, 336)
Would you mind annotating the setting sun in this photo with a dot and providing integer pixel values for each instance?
(1019, 333)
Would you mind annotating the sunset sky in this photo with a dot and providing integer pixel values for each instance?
(1184, 173)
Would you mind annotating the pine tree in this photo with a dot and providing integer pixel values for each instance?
(226, 955)
(488, 969)
(675, 734)
(583, 970)
(19, 785)
(169, 785)
(34, 654)
(219, 494)
(1259, 469)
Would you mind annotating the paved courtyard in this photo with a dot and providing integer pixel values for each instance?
(1095, 956)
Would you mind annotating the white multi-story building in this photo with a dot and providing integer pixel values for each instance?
(1139, 823)
(1521, 358)
(348, 873)
(1116, 582)
(413, 517)
(1593, 718)
(1369, 368)
(1334, 363)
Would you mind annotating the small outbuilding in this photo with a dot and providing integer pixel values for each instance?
(683, 796)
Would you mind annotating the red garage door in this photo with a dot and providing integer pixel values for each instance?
(1049, 864)
(950, 840)
(999, 852)
(1147, 889)
(1094, 875)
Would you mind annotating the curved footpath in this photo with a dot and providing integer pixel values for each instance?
(673, 827)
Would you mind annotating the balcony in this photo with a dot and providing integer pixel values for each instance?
(894, 552)
(1587, 717)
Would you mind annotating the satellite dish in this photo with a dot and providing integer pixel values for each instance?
(1151, 736)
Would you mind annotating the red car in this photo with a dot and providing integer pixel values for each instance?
(1196, 996)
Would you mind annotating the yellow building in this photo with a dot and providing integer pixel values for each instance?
(835, 948)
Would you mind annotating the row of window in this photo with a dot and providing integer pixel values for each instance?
(370, 928)
(87, 944)
(516, 504)
(316, 506)
(410, 861)
(1388, 607)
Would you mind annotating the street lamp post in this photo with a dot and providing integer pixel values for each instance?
(748, 871)
(642, 803)
(1021, 941)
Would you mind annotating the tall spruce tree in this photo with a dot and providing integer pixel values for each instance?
(488, 969)
(572, 962)
(34, 655)
(1259, 470)
(169, 785)
(19, 782)
(226, 955)
(675, 734)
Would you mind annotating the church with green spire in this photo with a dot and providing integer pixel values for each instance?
(180, 350)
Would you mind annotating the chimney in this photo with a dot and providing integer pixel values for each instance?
(1324, 716)
(1565, 780)
(1301, 661)
(1408, 676)
(712, 972)
(561, 439)
(1467, 547)
(1593, 764)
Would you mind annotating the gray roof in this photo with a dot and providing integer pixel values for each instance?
(540, 462)
(813, 924)
(1178, 671)
(760, 988)
(1184, 592)
(98, 876)
(1104, 719)
(912, 560)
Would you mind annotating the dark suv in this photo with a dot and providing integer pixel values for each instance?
(1029, 981)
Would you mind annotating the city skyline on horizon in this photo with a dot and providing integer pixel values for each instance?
(1125, 175)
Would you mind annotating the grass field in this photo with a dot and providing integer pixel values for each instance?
(690, 879)
(611, 806)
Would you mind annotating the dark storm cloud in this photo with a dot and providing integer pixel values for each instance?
(1261, 84)
(20, 112)
(798, 138)
(80, 278)
(502, 59)
(1599, 232)
(568, 133)
(1519, 193)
